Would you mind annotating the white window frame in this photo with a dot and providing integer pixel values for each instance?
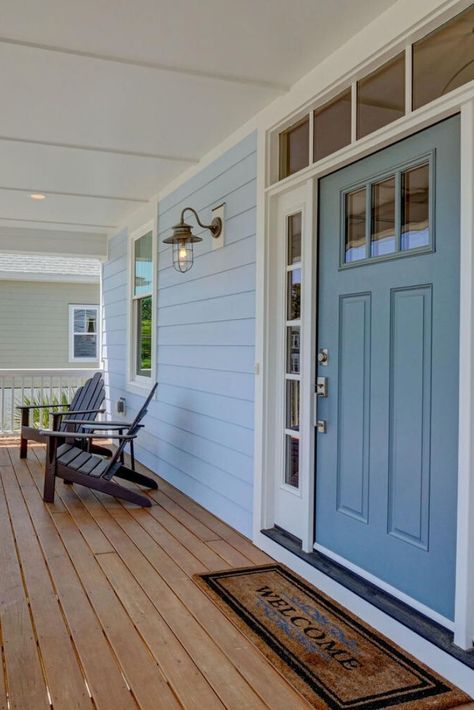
(89, 307)
(137, 383)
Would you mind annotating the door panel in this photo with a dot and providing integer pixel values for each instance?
(386, 472)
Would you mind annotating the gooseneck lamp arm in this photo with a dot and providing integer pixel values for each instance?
(215, 227)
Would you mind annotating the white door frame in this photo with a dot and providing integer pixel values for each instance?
(460, 100)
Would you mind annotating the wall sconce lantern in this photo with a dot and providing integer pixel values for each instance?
(183, 239)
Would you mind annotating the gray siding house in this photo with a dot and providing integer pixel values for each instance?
(49, 312)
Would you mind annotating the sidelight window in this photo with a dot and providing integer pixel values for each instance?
(293, 350)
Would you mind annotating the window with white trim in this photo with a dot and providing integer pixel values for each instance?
(83, 333)
(293, 270)
(142, 307)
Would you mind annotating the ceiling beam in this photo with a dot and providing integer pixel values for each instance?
(141, 200)
(100, 149)
(24, 220)
(184, 71)
(18, 240)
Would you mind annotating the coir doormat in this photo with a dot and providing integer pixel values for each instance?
(329, 655)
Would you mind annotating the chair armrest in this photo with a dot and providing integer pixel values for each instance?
(78, 411)
(78, 435)
(105, 424)
(42, 406)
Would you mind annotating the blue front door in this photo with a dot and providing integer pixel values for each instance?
(386, 472)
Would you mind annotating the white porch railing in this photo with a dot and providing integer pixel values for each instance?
(36, 387)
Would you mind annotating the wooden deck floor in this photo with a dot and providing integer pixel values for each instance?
(98, 608)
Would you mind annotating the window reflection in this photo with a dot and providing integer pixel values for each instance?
(355, 233)
(415, 208)
(383, 238)
(293, 404)
(294, 238)
(294, 148)
(381, 96)
(292, 472)
(293, 350)
(294, 294)
(143, 264)
(332, 126)
(444, 59)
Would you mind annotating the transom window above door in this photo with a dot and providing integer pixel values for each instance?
(389, 216)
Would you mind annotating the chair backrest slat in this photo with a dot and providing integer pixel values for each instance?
(91, 396)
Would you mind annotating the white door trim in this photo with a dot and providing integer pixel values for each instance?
(461, 100)
(464, 600)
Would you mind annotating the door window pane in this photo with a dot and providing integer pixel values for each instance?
(294, 238)
(293, 404)
(294, 148)
(294, 294)
(355, 233)
(292, 464)
(415, 208)
(381, 96)
(332, 126)
(144, 325)
(293, 350)
(143, 269)
(383, 238)
(444, 59)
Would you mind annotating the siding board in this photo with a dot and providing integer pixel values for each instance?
(35, 314)
(199, 432)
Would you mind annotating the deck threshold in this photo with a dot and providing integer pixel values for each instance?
(414, 620)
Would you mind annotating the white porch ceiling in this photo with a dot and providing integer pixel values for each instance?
(105, 101)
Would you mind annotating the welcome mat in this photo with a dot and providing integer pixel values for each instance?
(329, 655)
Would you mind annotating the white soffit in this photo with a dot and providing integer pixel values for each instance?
(104, 103)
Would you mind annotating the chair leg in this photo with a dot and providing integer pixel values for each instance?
(23, 448)
(128, 475)
(49, 485)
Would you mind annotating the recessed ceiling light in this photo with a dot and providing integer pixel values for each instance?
(37, 196)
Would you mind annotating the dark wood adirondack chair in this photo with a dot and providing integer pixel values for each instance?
(75, 465)
(86, 402)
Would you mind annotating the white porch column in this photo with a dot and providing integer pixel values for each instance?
(464, 613)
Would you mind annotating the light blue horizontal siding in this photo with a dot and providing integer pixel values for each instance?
(199, 431)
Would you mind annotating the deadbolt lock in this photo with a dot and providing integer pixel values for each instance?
(322, 386)
(323, 356)
(321, 426)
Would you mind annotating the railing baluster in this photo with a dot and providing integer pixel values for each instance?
(34, 385)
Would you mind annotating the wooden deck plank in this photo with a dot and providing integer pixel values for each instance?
(195, 545)
(267, 682)
(226, 681)
(25, 690)
(196, 526)
(222, 530)
(228, 553)
(63, 673)
(131, 569)
(141, 670)
(101, 668)
(190, 564)
(190, 685)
